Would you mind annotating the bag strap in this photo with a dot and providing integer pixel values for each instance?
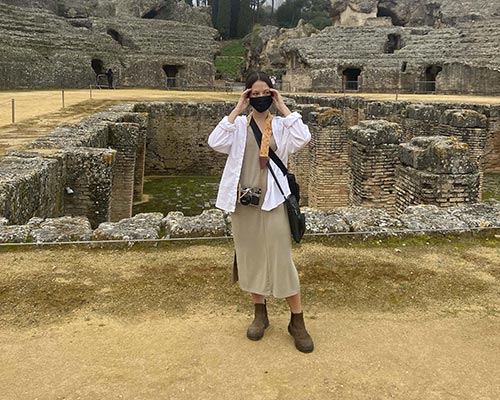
(272, 155)
(258, 137)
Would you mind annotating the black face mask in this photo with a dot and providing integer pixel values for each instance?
(262, 103)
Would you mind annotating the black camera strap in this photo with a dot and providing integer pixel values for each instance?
(258, 137)
(272, 155)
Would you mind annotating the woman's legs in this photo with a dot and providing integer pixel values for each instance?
(256, 330)
(297, 327)
(258, 299)
(294, 303)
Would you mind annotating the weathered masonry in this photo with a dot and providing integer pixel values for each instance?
(94, 169)
(383, 154)
(43, 50)
(360, 167)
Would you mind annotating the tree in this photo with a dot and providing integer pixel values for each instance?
(223, 18)
(235, 13)
(289, 13)
(312, 11)
(244, 19)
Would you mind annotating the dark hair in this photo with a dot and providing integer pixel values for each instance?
(258, 76)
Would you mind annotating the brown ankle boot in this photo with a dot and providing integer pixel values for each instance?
(260, 323)
(297, 328)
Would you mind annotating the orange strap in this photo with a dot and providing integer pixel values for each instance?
(266, 139)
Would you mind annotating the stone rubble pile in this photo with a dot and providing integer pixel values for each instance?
(215, 223)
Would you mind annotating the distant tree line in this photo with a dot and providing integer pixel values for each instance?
(236, 18)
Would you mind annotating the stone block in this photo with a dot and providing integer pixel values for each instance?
(330, 116)
(209, 223)
(461, 118)
(438, 154)
(478, 215)
(30, 185)
(324, 221)
(63, 229)
(14, 233)
(365, 219)
(140, 226)
(423, 112)
(431, 218)
(375, 132)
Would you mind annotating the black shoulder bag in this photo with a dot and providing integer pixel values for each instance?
(296, 219)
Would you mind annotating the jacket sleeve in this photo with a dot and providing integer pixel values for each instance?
(295, 133)
(221, 138)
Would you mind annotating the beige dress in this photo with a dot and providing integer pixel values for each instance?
(262, 238)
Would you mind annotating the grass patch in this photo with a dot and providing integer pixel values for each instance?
(188, 194)
(228, 63)
(41, 286)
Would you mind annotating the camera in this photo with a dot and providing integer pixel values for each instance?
(249, 196)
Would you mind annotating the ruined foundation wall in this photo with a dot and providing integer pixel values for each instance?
(177, 136)
(328, 172)
(96, 167)
(88, 183)
(373, 159)
(30, 186)
(74, 169)
(436, 170)
(123, 137)
(477, 125)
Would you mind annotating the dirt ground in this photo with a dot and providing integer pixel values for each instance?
(38, 112)
(402, 319)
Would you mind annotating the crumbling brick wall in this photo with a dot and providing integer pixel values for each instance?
(374, 155)
(436, 170)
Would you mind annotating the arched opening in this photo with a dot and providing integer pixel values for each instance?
(394, 42)
(115, 35)
(404, 66)
(386, 12)
(431, 74)
(171, 72)
(151, 14)
(350, 78)
(156, 13)
(98, 66)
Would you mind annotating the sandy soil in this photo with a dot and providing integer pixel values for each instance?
(38, 112)
(164, 323)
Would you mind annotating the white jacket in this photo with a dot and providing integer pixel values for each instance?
(290, 134)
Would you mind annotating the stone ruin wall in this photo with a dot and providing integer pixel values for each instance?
(93, 169)
(177, 138)
(42, 50)
(474, 125)
(96, 167)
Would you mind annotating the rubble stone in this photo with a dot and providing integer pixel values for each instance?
(209, 223)
(63, 229)
(140, 226)
(431, 218)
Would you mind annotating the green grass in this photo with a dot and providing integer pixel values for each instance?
(188, 194)
(228, 64)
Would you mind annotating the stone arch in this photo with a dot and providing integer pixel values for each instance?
(155, 13)
(394, 42)
(430, 76)
(387, 12)
(117, 37)
(171, 72)
(98, 66)
(350, 78)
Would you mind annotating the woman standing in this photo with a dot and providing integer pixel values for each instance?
(261, 230)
